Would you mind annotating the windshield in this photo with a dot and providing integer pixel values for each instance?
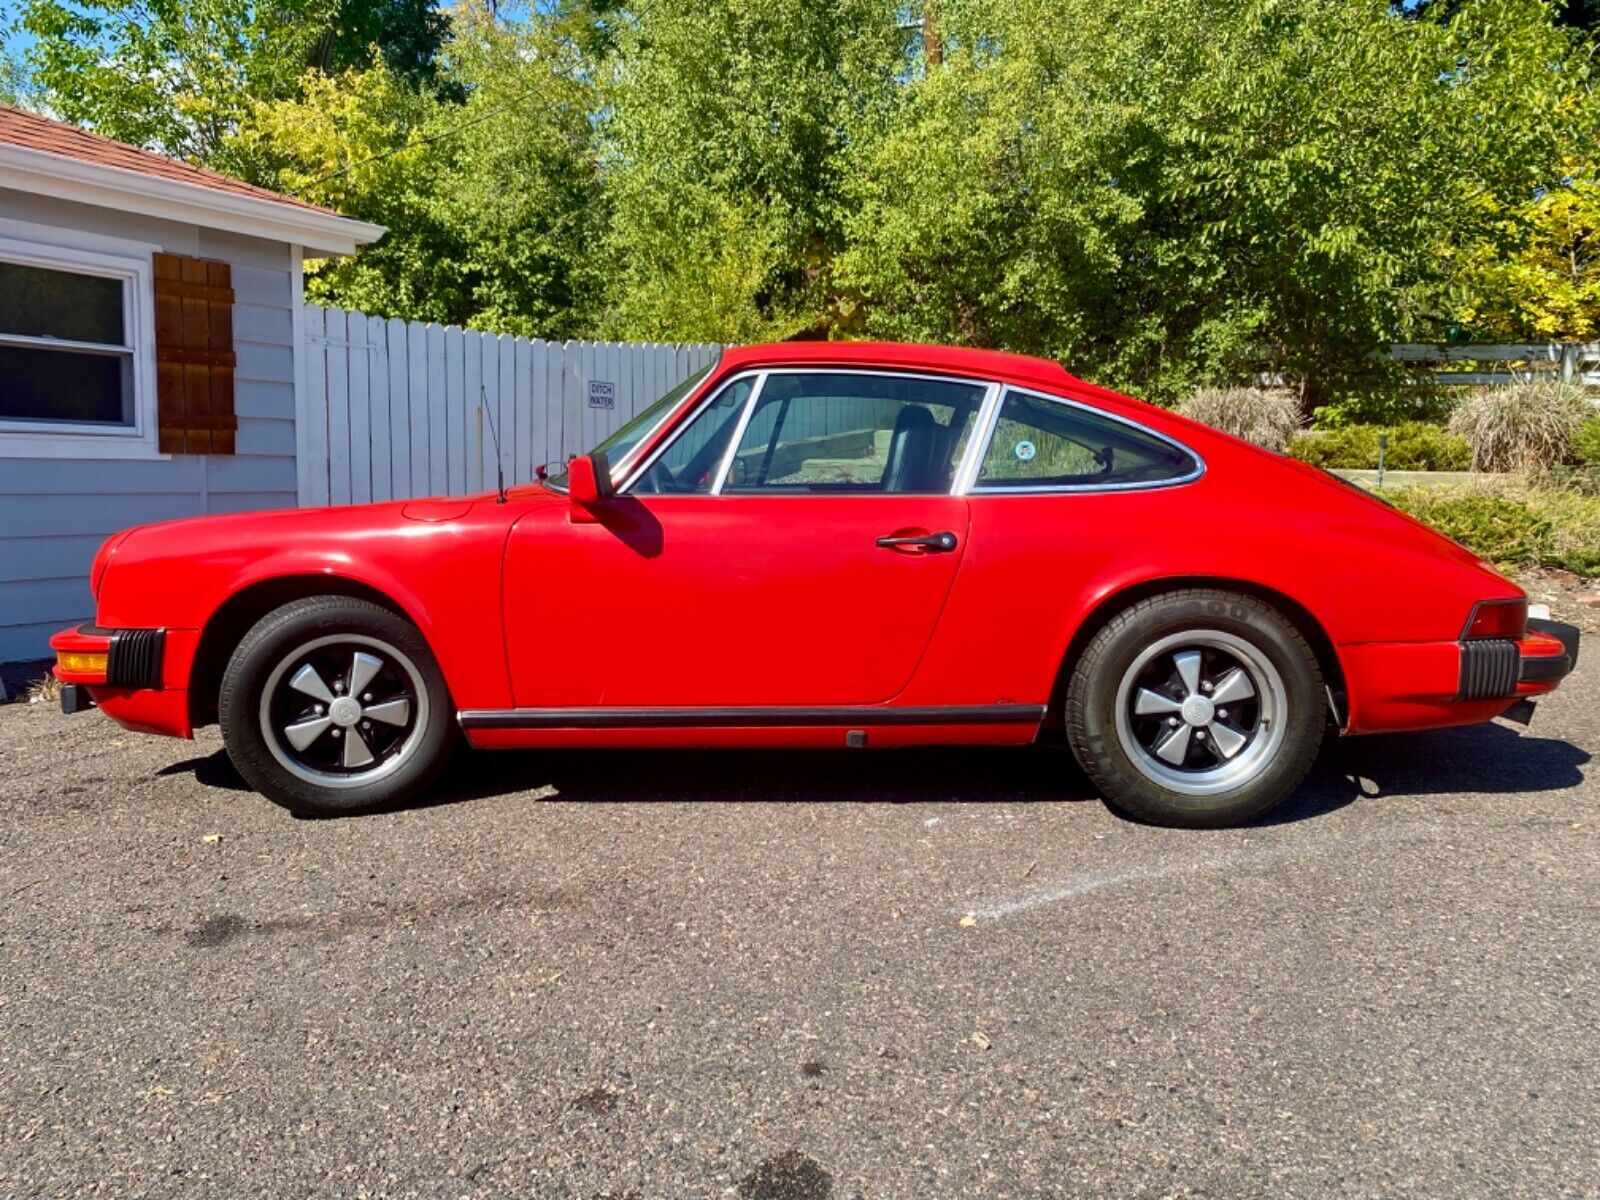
(624, 441)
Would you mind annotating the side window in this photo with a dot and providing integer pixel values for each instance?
(1039, 443)
(835, 432)
(689, 465)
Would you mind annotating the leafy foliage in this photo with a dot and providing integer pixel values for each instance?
(1413, 446)
(491, 203)
(1163, 193)
(180, 75)
(12, 77)
(1170, 190)
(1509, 532)
(1535, 273)
(1260, 416)
(1586, 442)
(725, 142)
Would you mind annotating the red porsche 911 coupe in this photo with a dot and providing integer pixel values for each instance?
(826, 545)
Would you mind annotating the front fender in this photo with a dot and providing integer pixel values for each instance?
(444, 576)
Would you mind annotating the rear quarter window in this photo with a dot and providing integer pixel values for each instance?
(1040, 443)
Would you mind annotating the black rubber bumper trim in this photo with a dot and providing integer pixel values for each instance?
(1545, 668)
(75, 698)
(1488, 669)
(744, 718)
(135, 656)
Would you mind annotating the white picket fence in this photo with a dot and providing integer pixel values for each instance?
(393, 409)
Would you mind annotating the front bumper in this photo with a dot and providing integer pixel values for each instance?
(137, 677)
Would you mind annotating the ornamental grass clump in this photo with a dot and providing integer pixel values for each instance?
(1266, 418)
(1523, 427)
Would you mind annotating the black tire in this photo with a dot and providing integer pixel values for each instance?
(314, 781)
(1124, 760)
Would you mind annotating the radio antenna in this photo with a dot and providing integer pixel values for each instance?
(499, 466)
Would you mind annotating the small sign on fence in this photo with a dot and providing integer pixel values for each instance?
(602, 394)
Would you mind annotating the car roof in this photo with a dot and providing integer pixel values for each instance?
(960, 360)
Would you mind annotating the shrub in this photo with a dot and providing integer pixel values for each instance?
(1396, 404)
(1413, 446)
(1540, 526)
(1586, 442)
(1263, 417)
(1522, 427)
(1505, 531)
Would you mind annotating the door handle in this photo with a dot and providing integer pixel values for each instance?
(933, 543)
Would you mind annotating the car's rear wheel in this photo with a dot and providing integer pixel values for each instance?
(1197, 708)
(333, 705)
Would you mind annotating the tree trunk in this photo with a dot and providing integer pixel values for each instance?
(932, 47)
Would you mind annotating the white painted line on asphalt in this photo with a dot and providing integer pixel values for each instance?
(1086, 882)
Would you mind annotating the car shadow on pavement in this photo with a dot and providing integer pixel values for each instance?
(1482, 759)
(212, 770)
(962, 774)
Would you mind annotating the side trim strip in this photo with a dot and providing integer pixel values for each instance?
(745, 718)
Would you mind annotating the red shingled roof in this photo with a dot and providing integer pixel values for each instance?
(33, 132)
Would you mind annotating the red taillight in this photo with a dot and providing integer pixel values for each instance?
(1498, 619)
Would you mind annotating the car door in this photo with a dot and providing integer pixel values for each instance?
(806, 567)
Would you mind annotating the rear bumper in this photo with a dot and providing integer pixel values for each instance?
(1541, 662)
(1429, 685)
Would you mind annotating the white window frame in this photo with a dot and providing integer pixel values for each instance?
(87, 254)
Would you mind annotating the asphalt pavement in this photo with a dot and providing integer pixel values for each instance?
(801, 976)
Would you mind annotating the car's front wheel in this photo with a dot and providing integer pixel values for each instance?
(334, 705)
(1197, 708)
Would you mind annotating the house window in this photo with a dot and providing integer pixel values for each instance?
(77, 358)
(66, 350)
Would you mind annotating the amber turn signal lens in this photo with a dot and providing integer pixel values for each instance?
(76, 663)
(1498, 619)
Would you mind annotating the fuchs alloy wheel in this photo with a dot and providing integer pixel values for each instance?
(1196, 708)
(333, 705)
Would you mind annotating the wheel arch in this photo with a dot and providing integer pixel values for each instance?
(1118, 599)
(232, 619)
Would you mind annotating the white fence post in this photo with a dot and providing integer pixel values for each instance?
(1518, 363)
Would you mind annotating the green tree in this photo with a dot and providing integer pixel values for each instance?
(179, 75)
(492, 204)
(13, 78)
(1535, 274)
(1160, 192)
(725, 140)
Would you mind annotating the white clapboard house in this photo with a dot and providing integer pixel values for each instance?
(149, 317)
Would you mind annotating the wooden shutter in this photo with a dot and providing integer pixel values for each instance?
(194, 355)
